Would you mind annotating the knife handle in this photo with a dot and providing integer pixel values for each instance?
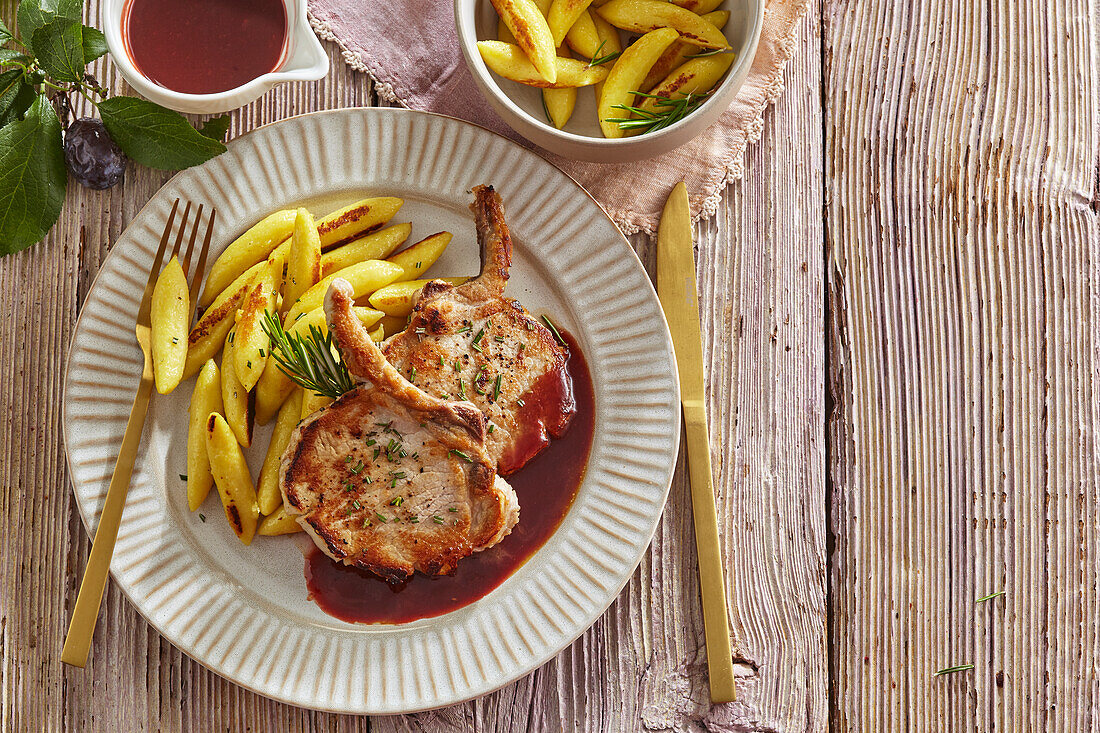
(711, 576)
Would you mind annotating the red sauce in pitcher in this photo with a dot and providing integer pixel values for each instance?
(204, 46)
(546, 487)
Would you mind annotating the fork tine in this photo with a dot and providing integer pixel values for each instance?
(191, 243)
(154, 271)
(163, 245)
(200, 267)
(183, 228)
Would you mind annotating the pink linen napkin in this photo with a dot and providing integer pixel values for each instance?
(410, 49)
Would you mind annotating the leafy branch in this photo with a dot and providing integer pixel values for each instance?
(42, 71)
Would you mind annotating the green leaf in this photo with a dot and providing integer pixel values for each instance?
(32, 177)
(59, 46)
(33, 14)
(155, 136)
(95, 44)
(5, 33)
(216, 127)
(12, 56)
(16, 95)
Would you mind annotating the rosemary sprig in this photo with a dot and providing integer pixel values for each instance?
(669, 113)
(708, 52)
(598, 60)
(950, 670)
(990, 597)
(545, 109)
(554, 329)
(311, 362)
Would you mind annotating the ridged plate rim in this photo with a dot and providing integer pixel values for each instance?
(537, 612)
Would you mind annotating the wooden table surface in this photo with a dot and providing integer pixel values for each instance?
(903, 316)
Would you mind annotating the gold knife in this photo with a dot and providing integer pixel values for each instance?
(679, 299)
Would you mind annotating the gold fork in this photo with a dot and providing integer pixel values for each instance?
(86, 611)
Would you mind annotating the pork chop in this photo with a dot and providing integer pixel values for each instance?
(389, 478)
(470, 342)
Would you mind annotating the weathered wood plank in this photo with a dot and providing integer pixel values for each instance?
(963, 261)
(641, 666)
(135, 680)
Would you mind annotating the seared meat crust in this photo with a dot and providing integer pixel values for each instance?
(469, 342)
(389, 478)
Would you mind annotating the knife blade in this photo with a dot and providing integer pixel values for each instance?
(676, 289)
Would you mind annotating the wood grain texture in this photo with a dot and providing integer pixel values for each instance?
(641, 666)
(963, 261)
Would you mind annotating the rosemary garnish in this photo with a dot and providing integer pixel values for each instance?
(554, 328)
(437, 519)
(380, 517)
(397, 501)
(356, 504)
(957, 668)
(202, 516)
(708, 52)
(311, 362)
(671, 112)
(358, 467)
(598, 60)
(496, 388)
(545, 109)
(460, 454)
(990, 597)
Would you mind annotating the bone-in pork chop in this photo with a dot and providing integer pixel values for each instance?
(469, 342)
(389, 478)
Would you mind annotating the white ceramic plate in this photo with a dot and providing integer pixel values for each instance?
(243, 611)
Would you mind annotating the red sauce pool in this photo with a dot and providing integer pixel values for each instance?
(204, 46)
(546, 487)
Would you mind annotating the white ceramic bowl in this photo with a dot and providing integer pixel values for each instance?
(304, 60)
(521, 106)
